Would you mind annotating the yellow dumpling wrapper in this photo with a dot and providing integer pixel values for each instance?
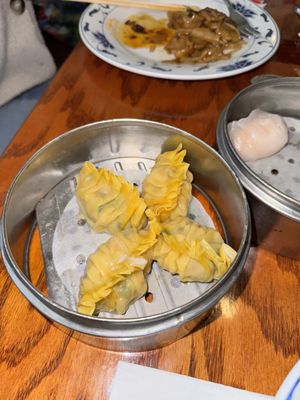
(124, 293)
(186, 229)
(184, 198)
(167, 189)
(116, 261)
(107, 201)
(194, 252)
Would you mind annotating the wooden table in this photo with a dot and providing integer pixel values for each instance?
(252, 338)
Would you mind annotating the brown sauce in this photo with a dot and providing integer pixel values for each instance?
(145, 31)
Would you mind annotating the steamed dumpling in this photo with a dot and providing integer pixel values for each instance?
(184, 198)
(260, 135)
(107, 201)
(194, 252)
(114, 275)
(167, 189)
(124, 293)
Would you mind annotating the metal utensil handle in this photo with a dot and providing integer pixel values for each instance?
(229, 6)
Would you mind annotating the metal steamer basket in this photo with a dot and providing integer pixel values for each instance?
(273, 184)
(132, 145)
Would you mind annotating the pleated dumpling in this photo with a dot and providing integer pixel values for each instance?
(114, 275)
(194, 252)
(124, 293)
(107, 201)
(184, 198)
(167, 190)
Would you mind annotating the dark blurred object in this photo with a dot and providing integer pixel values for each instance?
(58, 21)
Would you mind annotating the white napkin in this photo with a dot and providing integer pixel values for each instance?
(137, 382)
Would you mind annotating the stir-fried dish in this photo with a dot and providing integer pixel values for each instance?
(191, 37)
(202, 36)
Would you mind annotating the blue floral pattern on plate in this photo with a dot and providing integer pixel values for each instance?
(244, 10)
(293, 390)
(96, 31)
(236, 66)
(102, 40)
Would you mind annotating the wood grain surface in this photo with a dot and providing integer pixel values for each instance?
(251, 339)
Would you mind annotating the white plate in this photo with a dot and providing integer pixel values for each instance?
(95, 28)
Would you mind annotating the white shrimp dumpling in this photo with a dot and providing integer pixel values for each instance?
(259, 135)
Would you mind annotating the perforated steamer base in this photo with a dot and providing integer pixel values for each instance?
(282, 170)
(67, 241)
